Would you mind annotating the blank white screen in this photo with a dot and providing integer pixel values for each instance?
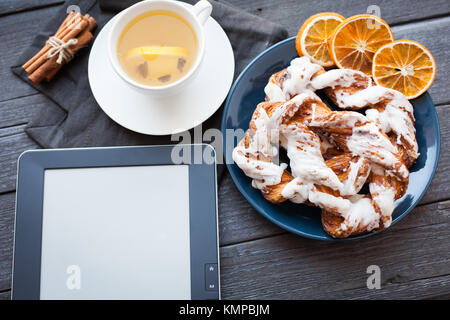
(125, 229)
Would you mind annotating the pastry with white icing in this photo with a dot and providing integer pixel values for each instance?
(332, 153)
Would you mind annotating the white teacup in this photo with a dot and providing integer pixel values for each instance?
(196, 16)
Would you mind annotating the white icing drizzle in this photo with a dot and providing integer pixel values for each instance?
(298, 79)
(372, 149)
(264, 172)
(361, 214)
(337, 77)
(274, 92)
(355, 180)
(308, 166)
(365, 139)
(397, 115)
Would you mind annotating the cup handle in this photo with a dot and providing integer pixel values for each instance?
(202, 10)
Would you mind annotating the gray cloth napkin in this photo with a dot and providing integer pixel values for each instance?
(72, 117)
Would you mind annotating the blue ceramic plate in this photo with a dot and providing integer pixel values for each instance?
(300, 219)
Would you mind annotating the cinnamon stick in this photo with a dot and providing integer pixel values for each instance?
(51, 67)
(71, 24)
(66, 36)
(69, 18)
(92, 24)
(65, 22)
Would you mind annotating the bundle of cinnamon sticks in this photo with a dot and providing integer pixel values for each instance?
(42, 66)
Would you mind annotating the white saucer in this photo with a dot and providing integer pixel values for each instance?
(164, 115)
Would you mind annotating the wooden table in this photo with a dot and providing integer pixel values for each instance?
(258, 259)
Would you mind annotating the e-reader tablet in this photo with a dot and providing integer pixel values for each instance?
(117, 223)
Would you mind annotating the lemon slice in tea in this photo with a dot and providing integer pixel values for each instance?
(152, 52)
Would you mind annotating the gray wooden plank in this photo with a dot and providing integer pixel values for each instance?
(238, 221)
(428, 214)
(440, 186)
(289, 267)
(21, 110)
(430, 288)
(5, 295)
(285, 252)
(14, 6)
(11, 147)
(16, 33)
(9, 131)
(292, 13)
(7, 210)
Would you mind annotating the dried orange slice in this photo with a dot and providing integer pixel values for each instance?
(406, 66)
(312, 38)
(355, 41)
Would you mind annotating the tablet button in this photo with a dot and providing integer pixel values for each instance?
(211, 277)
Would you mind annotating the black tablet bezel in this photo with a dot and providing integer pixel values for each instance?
(29, 204)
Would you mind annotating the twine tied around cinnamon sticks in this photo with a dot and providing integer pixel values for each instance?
(61, 48)
(73, 34)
